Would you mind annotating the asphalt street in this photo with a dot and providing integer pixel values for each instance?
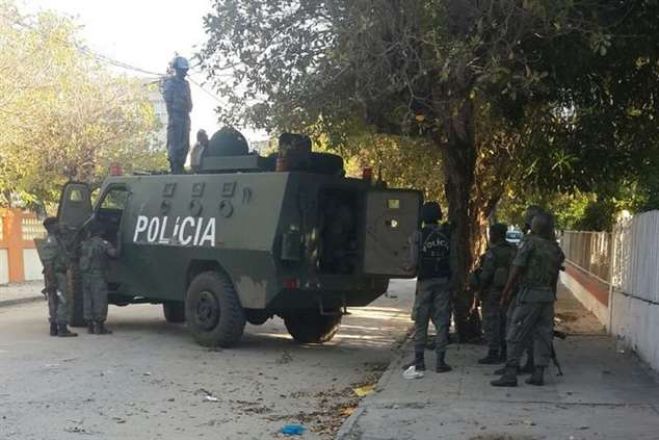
(149, 380)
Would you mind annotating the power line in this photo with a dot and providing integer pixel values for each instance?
(112, 61)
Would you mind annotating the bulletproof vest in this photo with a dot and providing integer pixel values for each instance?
(544, 263)
(434, 254)
(93, 256)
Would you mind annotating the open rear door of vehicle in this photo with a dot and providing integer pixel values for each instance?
(392, 216)
(75, 206)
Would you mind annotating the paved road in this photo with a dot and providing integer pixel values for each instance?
(149, 380)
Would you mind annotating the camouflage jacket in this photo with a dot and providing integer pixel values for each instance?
(496, 266)
(94, 253)
(540, 260)
(53, 254)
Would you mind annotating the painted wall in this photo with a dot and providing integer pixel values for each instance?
(4, 267)
(32, 265)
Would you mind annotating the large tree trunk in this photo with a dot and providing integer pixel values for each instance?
(459, 162)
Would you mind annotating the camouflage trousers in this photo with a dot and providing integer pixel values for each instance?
(94, 297)
(508, 319)
(60, 306)
(531, 321)
(433, 303)
(494, 320)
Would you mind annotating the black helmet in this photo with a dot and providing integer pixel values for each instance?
(431, 212)
(531, 211)
(498, 232)
(543, 225)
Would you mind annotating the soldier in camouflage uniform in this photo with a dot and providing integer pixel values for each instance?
(490, 281)
(536, 266)
(54, 257)
(430, 252)
(94, 253)
(176, 92)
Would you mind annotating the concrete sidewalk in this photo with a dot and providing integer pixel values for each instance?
(605, 394)
(13, 294)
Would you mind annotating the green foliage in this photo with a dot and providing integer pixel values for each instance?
(64, 117)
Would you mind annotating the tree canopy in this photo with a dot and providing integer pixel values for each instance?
(64, 116)
(517, 96)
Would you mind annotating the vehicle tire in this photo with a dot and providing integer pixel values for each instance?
(309, 326)
(213, 311)
(174, 311)
(74, 279)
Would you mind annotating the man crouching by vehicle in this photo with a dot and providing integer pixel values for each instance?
(94, 253)
(430, 252)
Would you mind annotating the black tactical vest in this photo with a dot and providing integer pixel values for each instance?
(434, 253)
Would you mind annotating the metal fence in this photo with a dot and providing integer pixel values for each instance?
(32, 228)
(590, 252)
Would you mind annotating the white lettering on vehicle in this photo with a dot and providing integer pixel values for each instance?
(187, 231)
(142, 222)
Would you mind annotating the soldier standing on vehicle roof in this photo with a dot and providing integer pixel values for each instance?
(536, 267)
(489, 282)
(54, 257)
(176, 92)
(94, 253)
(430, 252)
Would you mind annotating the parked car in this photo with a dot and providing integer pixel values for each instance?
(514, 237)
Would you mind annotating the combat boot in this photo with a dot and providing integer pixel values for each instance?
(53, 329)
(529, 366)
(537, 378)
(64, 332)
(100, 329)
(502, 370)
(90, 327)
(492, 358)
(509, 378)
(442, 366)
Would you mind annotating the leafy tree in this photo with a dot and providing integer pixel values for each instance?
(64, 117)
(505, 90)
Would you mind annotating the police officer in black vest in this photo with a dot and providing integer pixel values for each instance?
(430, 253)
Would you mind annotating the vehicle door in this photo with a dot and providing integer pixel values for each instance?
(392, 217)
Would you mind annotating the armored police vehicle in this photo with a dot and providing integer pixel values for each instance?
(244, 240)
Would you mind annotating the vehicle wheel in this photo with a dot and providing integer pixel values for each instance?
(213, 311)
(174, 311)
(309, 326)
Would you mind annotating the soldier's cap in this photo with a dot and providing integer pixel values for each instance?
(431, 212)
(498, 231)
(49, 222)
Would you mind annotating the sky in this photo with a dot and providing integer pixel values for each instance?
(145, 34)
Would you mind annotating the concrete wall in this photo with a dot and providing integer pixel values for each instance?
(588, 292)
(637, 322)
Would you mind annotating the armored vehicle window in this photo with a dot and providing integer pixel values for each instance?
(115, 199)
(110, 210)
(75, 196)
